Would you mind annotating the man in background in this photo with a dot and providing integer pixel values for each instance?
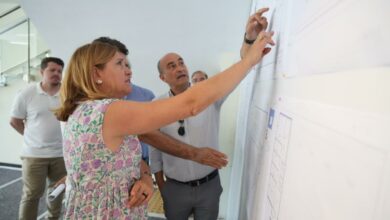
(141, 94)
(198, 76)
(42, 158)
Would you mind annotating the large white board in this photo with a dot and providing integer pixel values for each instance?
(317, 115)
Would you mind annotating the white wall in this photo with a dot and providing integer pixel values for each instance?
(11, 141)
(317, 124)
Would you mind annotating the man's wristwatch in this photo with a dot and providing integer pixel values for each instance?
(248, 41)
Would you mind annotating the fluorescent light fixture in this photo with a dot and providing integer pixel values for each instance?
(19, 42)
(25, 35)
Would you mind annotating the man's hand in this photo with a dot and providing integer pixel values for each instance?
(61, 181)
(167, 144)
(210, 157)
(160, 179)
(17, 124)
(256, 23)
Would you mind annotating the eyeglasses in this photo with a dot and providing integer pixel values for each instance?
(181, 131)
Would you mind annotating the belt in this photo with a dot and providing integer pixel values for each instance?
(197, 182)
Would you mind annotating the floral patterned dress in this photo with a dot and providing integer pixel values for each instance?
(99, 178)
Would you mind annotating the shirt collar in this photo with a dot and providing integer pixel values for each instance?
(171, 94)
(42, 92)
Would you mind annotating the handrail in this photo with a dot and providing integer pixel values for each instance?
(10, 11)
(13, 26)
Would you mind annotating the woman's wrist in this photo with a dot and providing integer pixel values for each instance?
(146, 173)
(147, 176)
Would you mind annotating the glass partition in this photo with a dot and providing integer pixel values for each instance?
(21, 48)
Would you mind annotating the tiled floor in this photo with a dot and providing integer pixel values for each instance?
(10, 191)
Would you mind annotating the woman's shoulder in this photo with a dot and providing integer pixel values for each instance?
(91, 111)
(93, 107)
(100, 104)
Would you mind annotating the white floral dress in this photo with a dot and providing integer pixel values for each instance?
(99, 178)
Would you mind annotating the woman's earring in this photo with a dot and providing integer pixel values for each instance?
(99, 81)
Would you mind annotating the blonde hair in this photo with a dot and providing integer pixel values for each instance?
(79, 84)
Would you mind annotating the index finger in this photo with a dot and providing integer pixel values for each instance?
(219, 154)
(261, 11)
(59, 182)
(136, 189)
(218, 161)
(135, 195)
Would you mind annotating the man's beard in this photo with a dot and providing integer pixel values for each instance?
(55, 84)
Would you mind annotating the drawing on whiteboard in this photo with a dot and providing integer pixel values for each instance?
(278, 166)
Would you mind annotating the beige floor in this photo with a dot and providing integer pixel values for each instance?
(155, 205)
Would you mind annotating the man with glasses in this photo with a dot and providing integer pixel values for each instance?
(190, 188)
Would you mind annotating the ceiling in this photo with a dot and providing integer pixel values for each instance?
(208, 34)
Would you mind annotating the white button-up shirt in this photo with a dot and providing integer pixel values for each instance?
(201, 130)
